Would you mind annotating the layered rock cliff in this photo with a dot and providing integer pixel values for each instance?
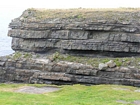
(78, 31)
(85, 32)
(26, 69)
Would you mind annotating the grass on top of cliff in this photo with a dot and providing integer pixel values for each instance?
(119, 14)
(72, 95)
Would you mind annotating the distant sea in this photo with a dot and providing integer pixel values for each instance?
(5, 43)
(6, 15)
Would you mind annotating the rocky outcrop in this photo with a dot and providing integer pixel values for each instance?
(85, 32)
(42, 70)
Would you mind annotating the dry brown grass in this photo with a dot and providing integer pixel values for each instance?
(121, 14)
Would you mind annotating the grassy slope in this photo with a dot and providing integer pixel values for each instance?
(71, 95)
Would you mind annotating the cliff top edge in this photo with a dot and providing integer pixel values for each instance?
(83, 14)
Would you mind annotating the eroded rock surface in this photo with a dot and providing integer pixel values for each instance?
(85, 32)
(41, 70)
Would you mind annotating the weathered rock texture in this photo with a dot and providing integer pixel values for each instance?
(85, 32)
(81, 31)
(47, 72)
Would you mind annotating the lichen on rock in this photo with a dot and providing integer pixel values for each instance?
(94, 33)
(78, 31)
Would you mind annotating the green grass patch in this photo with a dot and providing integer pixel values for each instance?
(124, 61)
(71, 95)
(18, 55)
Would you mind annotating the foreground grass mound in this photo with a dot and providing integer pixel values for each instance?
(71, 95)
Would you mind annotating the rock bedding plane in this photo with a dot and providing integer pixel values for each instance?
(78, 31)
(44, 71)
(82, 32)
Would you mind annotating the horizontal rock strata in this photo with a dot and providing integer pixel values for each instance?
(84, 32)
(63, 72)
(117, 34)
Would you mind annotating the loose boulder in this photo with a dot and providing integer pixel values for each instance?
(102, 66)
(109, 64)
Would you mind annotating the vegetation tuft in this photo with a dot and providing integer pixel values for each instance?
(18, 55)
(125, 61)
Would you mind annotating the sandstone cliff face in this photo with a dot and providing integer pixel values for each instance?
(81, 31)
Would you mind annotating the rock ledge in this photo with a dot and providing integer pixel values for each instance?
(85, 32)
